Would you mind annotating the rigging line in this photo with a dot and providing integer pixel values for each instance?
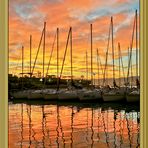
(87, 68)
(57, 55)
(50, 59)
(131, 70)
(44, 47)
(100, 63)
(98, 67)
(22, 66)
(122, 63)
(37, 51)
(129, 62)
(30, 52)
(71, 54)
(136, 46)
(64, 57)
(119, 64)
(65, 52)
(104, 78)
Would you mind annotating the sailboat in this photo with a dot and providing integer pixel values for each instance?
(133, 95)
(22, 94)
(91, 93)
(113, 94)
(70, 93)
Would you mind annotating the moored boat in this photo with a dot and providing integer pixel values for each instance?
(50, 95)
(133, 96)
(23, 94)
(67, 95)
(114, 95)
(89, 95)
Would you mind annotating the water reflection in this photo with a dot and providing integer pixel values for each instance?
(73, 125)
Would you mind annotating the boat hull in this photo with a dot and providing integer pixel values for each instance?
(51, 96)
(89, 96)
(35, 95)
(20, 94)
(72, 95)
(113, 98)
(133, 98)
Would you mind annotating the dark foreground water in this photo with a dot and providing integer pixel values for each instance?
(73, 125)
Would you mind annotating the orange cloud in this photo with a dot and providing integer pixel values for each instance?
(27, 18)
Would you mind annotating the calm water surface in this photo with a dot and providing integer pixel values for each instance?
(73, 125)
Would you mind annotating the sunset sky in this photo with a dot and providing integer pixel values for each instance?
(27, 17)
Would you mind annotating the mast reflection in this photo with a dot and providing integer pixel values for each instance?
(72, 125)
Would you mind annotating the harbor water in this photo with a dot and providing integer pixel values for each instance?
(73, 125)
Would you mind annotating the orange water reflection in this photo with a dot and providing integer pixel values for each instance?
(72, 126)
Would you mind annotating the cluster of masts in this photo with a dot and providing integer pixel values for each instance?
(96, 93)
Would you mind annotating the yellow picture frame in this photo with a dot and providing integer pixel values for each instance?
(4, 74)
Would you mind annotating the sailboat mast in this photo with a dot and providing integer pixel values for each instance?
(128, 65)
(131, 67)
(87, 67)
(37, 51)
(44, 47)
(136, 46)
(91, 55)
(119, 64)
(113, 49)
(57, 56)
(105, 69)
(30, 52)
(131, 46)
(98, 65)
(22, 65)
(71, 54)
